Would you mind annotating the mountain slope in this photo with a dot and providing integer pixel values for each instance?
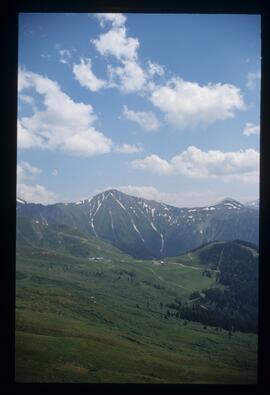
(255, 204)
(33, 234)
(147, 229)
(232, 301)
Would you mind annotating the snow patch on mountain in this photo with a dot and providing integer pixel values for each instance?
(98, 207)
(162, 242)
(153, 226)
(137, 230)
(112, 224)
(21, 201)
(231, 205)
(93, 227)
(123, 207)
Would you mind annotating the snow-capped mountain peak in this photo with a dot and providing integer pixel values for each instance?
(145, 228)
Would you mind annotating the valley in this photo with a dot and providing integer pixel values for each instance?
(87, 312)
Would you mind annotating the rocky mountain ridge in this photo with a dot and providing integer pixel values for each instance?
(148, 229)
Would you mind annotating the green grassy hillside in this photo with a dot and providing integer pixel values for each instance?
(32, 234)
(110, 320)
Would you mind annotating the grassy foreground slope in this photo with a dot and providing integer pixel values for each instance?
(81, 320)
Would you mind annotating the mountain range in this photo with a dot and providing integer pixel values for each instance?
(146, 228)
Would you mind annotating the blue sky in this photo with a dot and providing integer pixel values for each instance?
(164, 107)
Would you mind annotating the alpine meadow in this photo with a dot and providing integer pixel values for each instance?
(137, 236)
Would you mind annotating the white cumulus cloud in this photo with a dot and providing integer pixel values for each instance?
(128, 148)
(65, 56)
(116, 19)
(153, 163)
(31, 193)
(23, 80)
(85, 76)
(212, 164)
(187, 104)
(26, 171)
(155, 69)
(250, 129)
(116, 43)
(130, 77)
(26, 139)
(35, 194)
(177, 199)
(64, 124)
(146, 119)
